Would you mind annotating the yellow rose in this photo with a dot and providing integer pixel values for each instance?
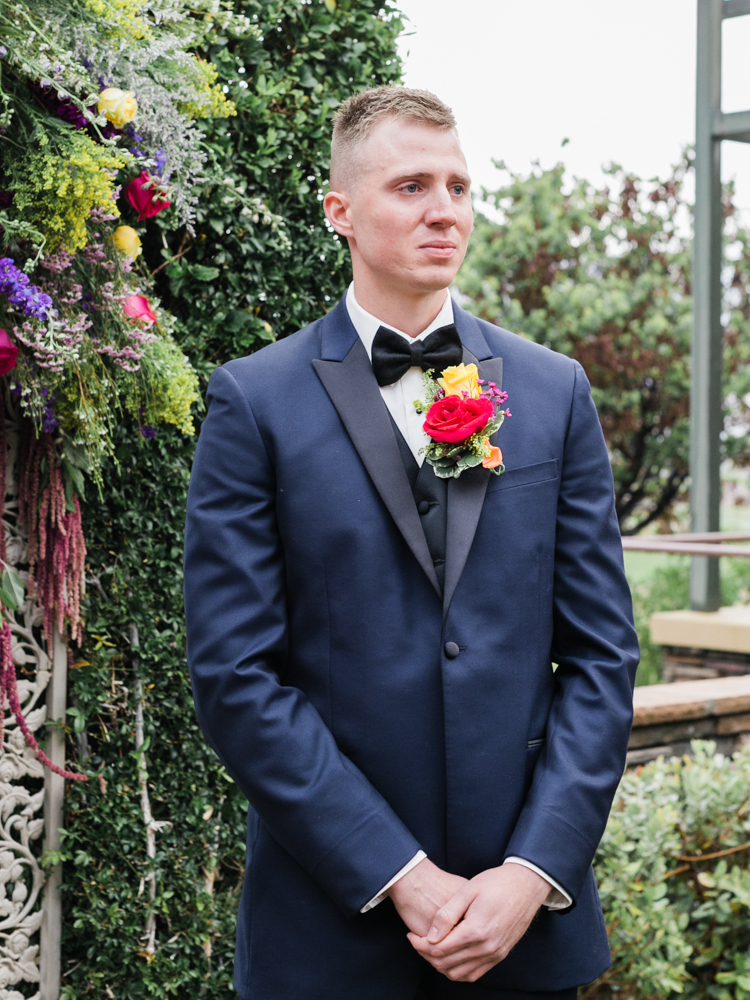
(118, 106)
(461, 379)
(127, 241)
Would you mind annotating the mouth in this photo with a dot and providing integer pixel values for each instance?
(439, 249)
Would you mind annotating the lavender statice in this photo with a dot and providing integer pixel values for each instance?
(15, 284)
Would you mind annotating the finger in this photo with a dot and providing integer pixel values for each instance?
(467, 934)
(461, 958)
(449, 915)
(469, 972)
(441, 960)
(453, 944)
(420, 944)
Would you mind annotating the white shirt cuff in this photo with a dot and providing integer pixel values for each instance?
(558, 899)
(419, 856)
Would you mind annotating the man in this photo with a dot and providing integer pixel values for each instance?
(372, 647)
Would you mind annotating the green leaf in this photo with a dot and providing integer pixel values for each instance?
(77, 455)
(11, 590)
(203, 273)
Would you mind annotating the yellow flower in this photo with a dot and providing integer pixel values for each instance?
(118, 106)
(127, 241)
(461, 379)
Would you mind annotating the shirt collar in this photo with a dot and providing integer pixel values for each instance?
(367, 325)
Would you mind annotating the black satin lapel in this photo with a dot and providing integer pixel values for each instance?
(354, 392)
(465, 497)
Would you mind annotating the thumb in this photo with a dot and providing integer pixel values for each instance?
(449, 915)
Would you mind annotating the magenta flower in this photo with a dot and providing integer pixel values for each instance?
(8, 353)
(137, 307)
(144, 195)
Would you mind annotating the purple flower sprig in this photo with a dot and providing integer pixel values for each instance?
(16, 285)
(49, 421)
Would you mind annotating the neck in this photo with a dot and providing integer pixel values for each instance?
(409, 311)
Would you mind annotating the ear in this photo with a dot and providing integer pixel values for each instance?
(336, 206)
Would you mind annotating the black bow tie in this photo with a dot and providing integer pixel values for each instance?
(393, 355)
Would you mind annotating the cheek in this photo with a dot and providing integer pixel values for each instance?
(383, 237)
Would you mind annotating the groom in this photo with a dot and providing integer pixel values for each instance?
(372, 647)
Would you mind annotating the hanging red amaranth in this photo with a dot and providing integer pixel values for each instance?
(9, 695)
(57, 550)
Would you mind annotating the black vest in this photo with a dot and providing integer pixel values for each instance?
(431, 497)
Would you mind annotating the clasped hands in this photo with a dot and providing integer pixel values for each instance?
(463, 927)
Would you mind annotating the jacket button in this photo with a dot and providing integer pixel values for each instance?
(423, 506)
(452, 650)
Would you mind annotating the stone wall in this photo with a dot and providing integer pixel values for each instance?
(669, 716)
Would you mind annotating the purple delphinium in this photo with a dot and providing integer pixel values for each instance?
(147, 431)
(63, 107)
(15, 284)
(49, 420)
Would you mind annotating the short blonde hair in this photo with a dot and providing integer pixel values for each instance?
(361, 113)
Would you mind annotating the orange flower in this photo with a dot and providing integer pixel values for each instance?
(494, 458)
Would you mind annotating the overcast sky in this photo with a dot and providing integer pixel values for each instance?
(615, 77)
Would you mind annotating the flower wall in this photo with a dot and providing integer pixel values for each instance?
(83, 342)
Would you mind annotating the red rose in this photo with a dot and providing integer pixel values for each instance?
(144, 196)
(8, 353)
(453, 419)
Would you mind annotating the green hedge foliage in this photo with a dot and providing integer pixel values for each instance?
(674, 878)
(239, 283)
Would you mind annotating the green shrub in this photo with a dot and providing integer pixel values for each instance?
(674, 878)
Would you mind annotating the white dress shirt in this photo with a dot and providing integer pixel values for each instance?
(399, 398)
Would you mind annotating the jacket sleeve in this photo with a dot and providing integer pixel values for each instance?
(313, 800)
(596, 649)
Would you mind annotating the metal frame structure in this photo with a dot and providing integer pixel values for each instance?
(712, 126)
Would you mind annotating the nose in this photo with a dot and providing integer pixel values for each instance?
(440, 210)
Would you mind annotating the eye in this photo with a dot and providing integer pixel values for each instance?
(411, 188)
(458, 189)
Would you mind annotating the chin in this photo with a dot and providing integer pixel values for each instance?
(435, 279)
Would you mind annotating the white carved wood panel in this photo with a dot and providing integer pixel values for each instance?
(21, 777)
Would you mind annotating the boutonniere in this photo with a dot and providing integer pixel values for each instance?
(462, 412)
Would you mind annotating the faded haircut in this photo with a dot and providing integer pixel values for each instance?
(361, 113)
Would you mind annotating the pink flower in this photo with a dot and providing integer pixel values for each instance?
(144, 196)
(137, 307)
(8, 353)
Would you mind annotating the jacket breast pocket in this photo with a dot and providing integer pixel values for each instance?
(527, 475)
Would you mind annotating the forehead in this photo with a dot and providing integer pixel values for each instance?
(395, 147)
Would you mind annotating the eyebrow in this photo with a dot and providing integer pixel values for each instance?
(418, 174)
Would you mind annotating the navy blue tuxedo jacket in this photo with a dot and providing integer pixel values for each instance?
(316, 642)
